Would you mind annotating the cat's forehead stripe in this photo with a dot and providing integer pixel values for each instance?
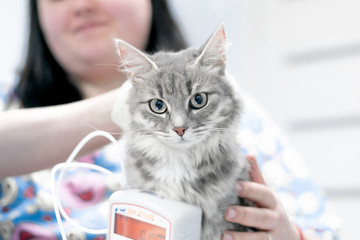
(188, 86)
(159, 89)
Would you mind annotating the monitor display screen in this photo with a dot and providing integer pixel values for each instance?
(136, 229)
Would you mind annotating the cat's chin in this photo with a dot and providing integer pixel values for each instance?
(182, 142)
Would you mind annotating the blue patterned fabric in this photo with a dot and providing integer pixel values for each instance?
(26, 209)
(285, 172)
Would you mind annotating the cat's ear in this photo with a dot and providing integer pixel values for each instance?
(132, 60)
(213, 52)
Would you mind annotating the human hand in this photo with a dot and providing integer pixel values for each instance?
(268, 217)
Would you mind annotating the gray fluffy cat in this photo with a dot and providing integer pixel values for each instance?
(179, 119)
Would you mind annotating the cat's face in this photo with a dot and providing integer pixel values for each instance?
(183, 98)
(182, 104)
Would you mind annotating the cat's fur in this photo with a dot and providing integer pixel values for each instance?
(202, 166)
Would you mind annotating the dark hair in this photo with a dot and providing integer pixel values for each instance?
(43, 82)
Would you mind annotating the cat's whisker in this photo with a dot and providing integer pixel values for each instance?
(226, 129)
(203, 128)
(157, 133)
(211, 128)
(148, 131)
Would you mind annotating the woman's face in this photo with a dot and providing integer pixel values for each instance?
(80, 32)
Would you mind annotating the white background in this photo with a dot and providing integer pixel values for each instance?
(299, 58)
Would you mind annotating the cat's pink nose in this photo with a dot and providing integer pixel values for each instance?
(180, 131)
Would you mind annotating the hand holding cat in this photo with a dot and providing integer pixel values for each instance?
(269, 217)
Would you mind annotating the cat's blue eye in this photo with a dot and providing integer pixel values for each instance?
(157, 106)
(198, 100)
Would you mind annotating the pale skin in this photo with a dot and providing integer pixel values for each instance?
(79, 35)
(268, 217)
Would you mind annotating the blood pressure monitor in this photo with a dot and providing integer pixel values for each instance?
(139, 215)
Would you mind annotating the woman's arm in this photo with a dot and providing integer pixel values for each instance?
(39, 138)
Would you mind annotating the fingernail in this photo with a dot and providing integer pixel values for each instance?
(238, 187)
(227, 236)
(231, 213)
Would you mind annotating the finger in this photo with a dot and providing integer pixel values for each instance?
(255, 173)
(261, 194)
(229, 235)
(260, 218)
